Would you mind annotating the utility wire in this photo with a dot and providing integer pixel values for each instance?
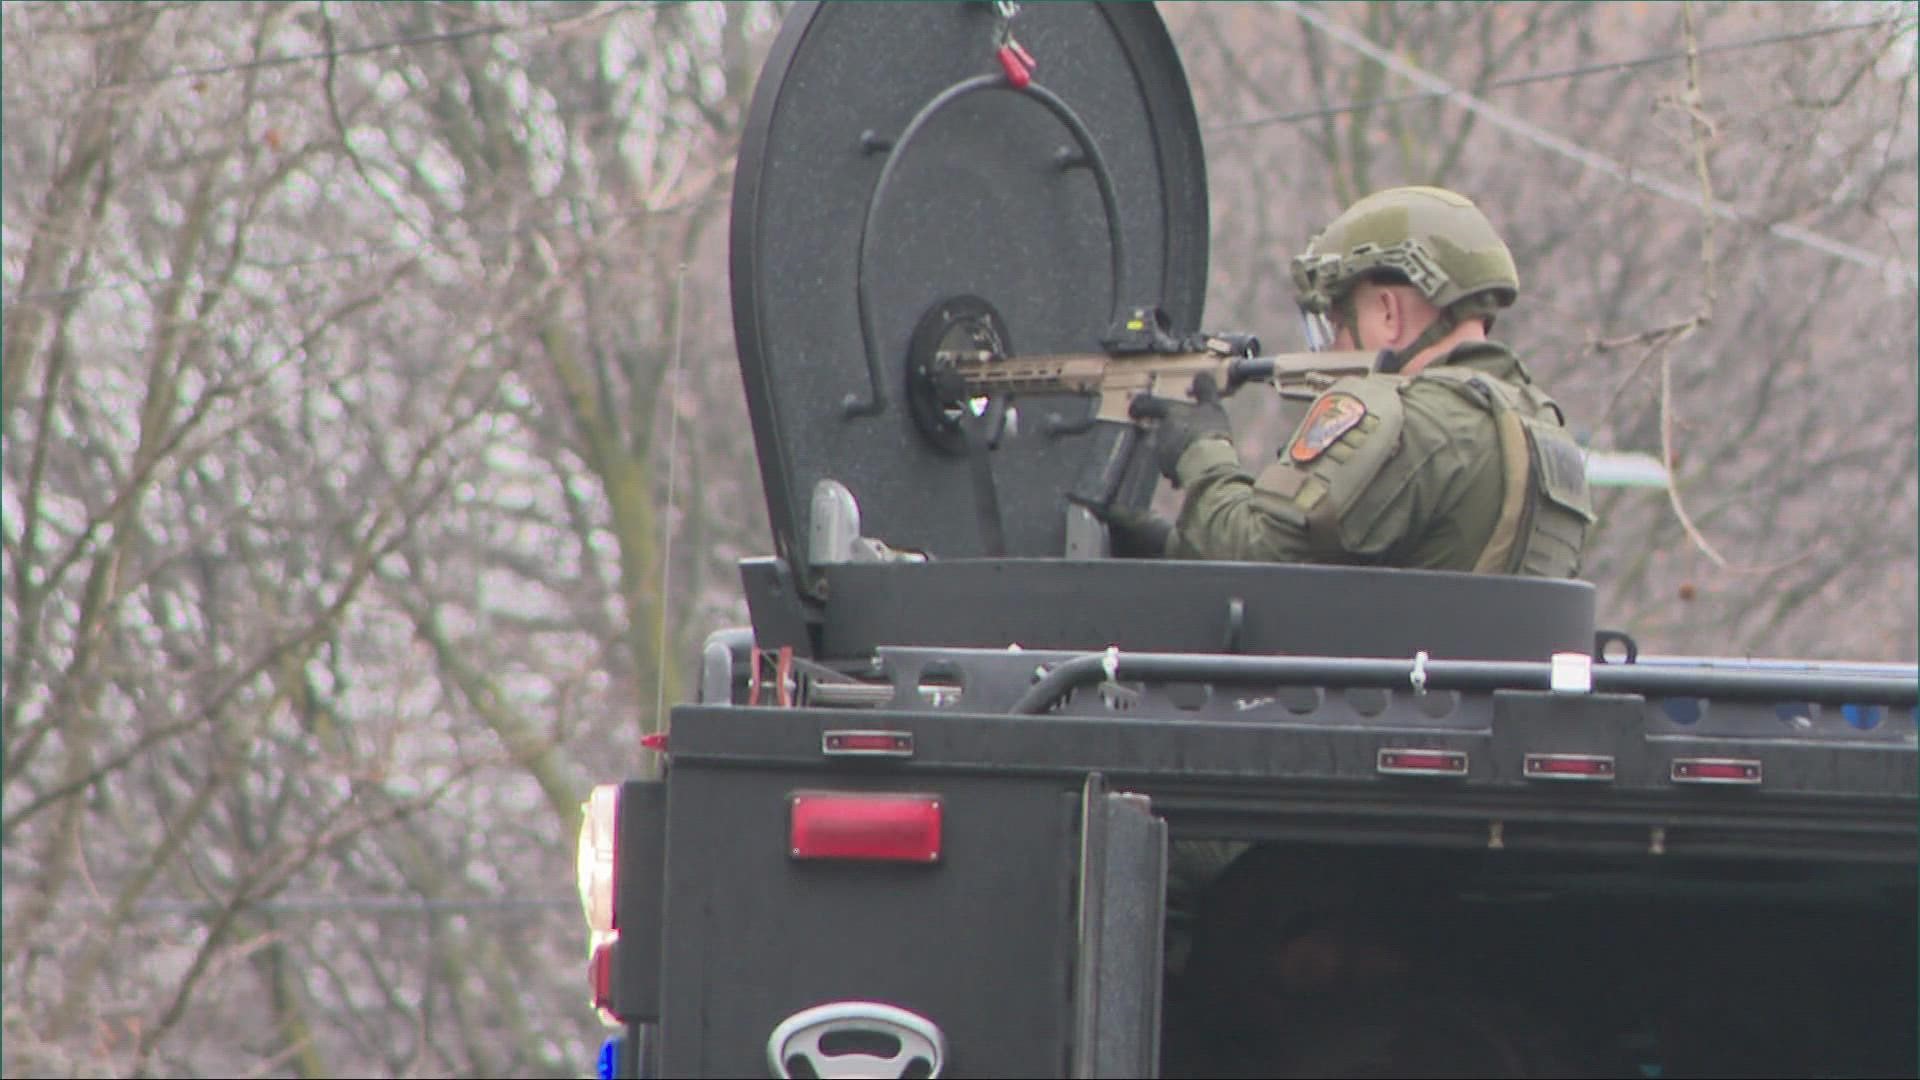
(442, 38)
(350, 253)
(666, 520)
(1552, 76)
(394, 248)
(1441, 90)
(1599, 163)
(322, 905)
(303, 58)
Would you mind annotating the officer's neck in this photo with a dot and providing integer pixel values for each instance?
(1470, 329)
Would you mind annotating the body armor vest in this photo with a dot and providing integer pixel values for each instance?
(1545, 507)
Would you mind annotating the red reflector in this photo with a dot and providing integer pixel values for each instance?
(1715, 771)
(1399, 761)
(865, 825)
(600, 975)
(655, 741)
(867, 743)
(1568, 767)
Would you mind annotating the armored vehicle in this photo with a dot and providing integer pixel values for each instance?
(963, 798)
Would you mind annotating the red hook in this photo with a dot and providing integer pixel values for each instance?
(1017, 63)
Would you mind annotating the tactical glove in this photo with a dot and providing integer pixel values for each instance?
(1180, 422)
(1137, 534)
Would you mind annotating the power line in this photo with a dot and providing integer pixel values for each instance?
(441, 38)
(1539, 136)
(162, 279)
(351, 253)
(1438, 90)
(1551, 76)
(322, 257)
(303, 58)
(325, 905)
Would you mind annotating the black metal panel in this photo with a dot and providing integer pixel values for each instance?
(1166, 606)
(983, 201)
(1123, 883)
(780, 614)
(1604, 725)
(1875, 782)
(642, 851)
(980, 943)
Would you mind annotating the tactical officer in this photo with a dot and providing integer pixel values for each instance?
(1448, 457)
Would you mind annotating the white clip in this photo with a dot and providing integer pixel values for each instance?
(1115, 696)
(1419, 676)
(1571, 673)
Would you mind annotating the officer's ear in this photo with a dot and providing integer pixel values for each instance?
(1366, 303)
(1407, 314)
(1395, 314)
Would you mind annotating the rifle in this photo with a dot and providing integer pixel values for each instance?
(1117, 378)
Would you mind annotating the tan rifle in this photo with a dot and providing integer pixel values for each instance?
(1117, 381)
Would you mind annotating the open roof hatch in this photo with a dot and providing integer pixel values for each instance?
(891, 181)
(897, 195)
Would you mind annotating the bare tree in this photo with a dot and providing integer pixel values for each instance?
(338, 398)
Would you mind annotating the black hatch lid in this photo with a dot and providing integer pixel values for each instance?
(1017, 199)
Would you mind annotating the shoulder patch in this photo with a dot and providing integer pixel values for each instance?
(1331, 417)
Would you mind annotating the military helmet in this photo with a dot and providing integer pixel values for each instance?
(1437, 239)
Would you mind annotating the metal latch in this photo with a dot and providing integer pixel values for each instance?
(856, 1039)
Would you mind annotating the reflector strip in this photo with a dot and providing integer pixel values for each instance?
(867, 743)
(1567, 767)
(886, 827)
(1403, 761)
(1715, 771)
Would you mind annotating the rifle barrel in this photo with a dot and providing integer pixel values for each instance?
(1297, 367)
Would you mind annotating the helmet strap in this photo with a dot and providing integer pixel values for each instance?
(1442, 325)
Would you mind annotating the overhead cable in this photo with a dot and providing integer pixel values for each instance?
(441, 38)
(1599, 163)
(342, 254)
(1550, 76)
(325, 905)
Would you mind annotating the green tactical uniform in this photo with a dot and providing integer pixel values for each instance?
(1420, 479)
(1402, 471)
(1465, 466)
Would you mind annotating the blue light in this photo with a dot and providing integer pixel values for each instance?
(608, 1066)
(1864, 717)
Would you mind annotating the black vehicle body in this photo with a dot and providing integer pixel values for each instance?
(1671, 866)
(1612, 901)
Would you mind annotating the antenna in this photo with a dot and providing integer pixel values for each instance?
(666, 520)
